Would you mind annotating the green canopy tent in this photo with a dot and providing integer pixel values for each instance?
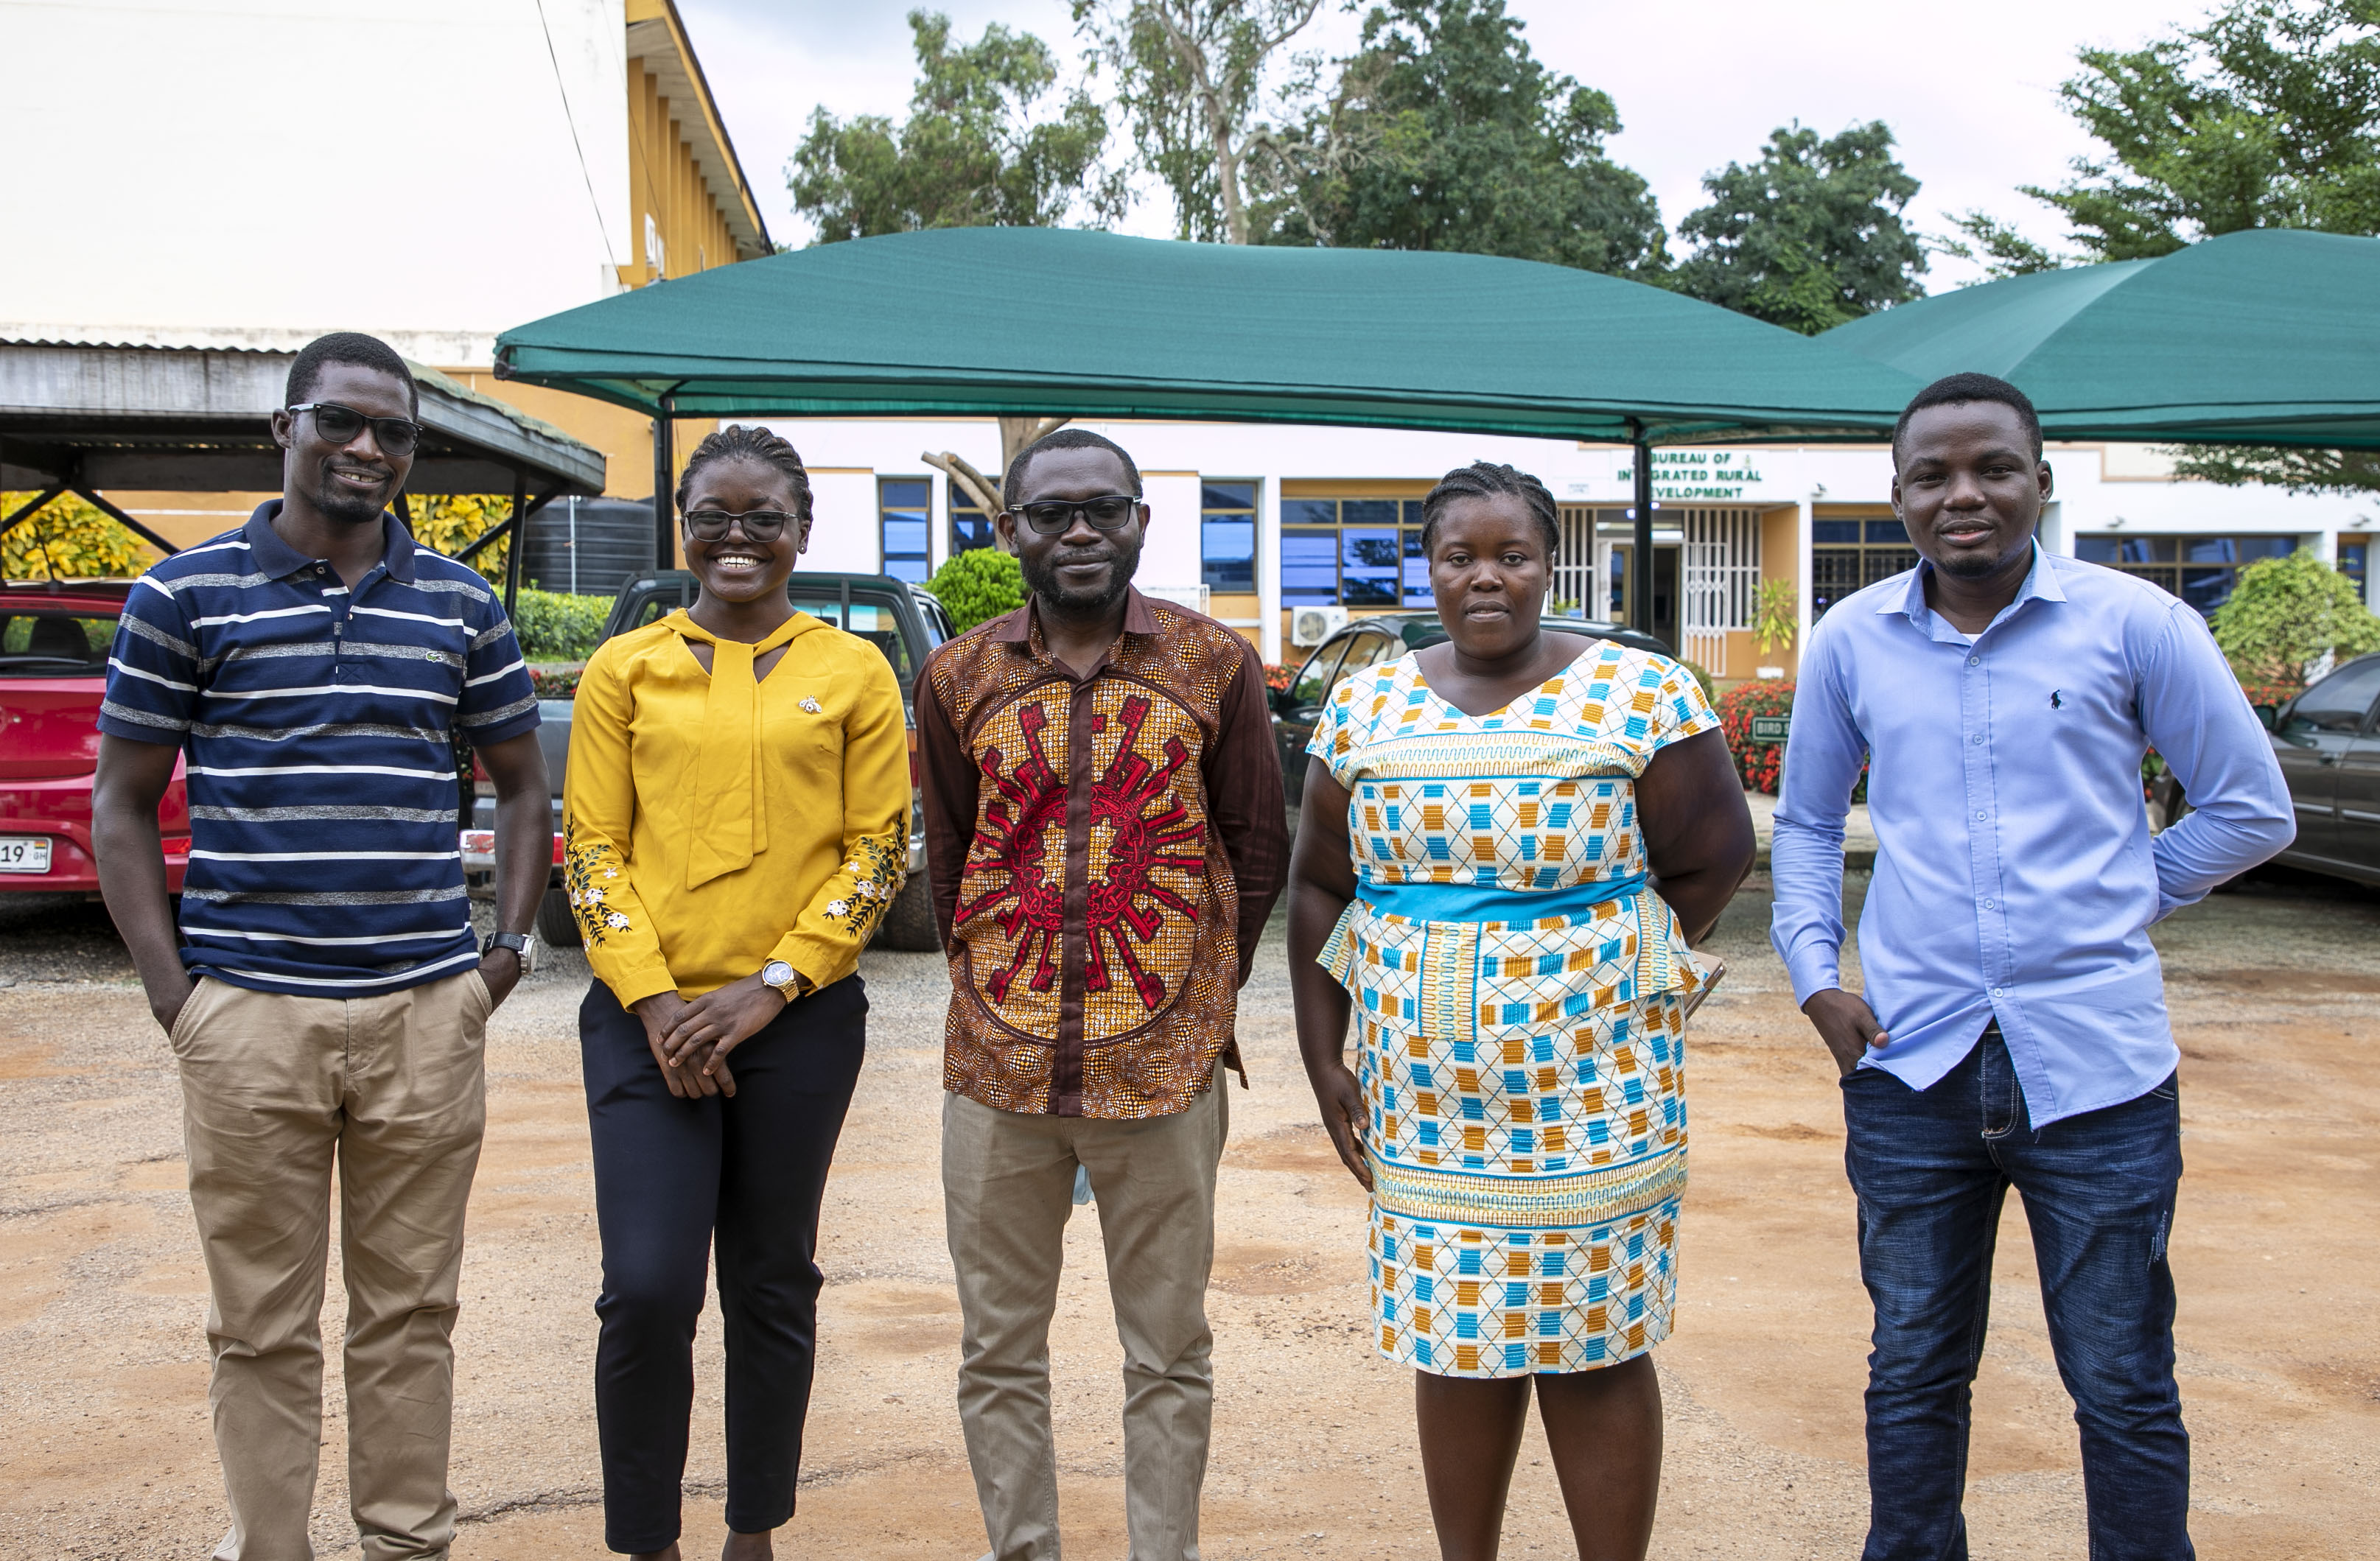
(1044, 321)
(2270, 336)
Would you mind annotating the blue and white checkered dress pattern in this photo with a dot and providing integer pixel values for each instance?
(1524, 1075)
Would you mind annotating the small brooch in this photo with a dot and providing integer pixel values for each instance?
(811, 705)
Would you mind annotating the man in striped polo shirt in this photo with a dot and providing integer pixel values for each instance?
(324, 994)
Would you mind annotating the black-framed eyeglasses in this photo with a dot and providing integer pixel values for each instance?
(1052, 516)
(761, 526)
(395, 436)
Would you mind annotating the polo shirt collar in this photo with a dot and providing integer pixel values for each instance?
(277, 560)
(1020, 626)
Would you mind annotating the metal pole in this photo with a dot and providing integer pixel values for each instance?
(514, 548)
(1640, 561)
(664, 484)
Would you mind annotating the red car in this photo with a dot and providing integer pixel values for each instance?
(53, 644)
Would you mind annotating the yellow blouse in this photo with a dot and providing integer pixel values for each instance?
(711, 824)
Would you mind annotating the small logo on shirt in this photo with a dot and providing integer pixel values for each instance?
(812, 705)
(2056, 701)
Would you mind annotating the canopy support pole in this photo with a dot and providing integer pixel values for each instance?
(664, 482)
(126, 520)
(1640, 554)
(520, 538)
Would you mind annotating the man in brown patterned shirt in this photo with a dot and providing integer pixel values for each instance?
(1105, 836)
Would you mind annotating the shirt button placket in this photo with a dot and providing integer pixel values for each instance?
(1975, 720)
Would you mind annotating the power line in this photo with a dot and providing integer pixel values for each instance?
(568, 118)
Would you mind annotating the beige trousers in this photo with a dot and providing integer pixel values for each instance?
(273, 1088)
(1008, 1184)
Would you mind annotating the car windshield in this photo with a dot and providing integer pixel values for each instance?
(54, 642)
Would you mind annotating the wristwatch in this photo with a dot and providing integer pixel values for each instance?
(523, 946)
(787, 981)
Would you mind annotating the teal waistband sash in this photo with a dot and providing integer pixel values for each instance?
(1488, 903)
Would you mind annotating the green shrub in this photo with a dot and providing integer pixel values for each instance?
(557, 627)
(1710, 690)
(2285, 614)
(978, 585)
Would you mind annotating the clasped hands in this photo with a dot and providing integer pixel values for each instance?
(691, 1036)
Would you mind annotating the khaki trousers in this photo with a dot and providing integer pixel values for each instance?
(1008, 1187)
(273, 1088)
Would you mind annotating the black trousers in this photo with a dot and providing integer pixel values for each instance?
(669, 1172)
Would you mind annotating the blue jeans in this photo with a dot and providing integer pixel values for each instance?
(1931, 1168)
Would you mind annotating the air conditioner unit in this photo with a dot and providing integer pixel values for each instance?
(1192, 596)
(1312, 625)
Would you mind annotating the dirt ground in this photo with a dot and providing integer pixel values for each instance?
(105, 1449)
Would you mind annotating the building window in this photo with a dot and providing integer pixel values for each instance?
(970, 524)
(2200, 570)
(904, 508)
(1353, 552)
(1226, 536)
(2354, 558)
(1848, 554)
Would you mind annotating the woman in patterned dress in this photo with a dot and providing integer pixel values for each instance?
(1509, 842)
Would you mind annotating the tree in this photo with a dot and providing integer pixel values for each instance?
(2267, 115)
(1190, 75)
(1445, 132)
(972, 153)
(2289, 615)
(2003, 251)
(69, 538)
(1810, 236)
(2278, 466)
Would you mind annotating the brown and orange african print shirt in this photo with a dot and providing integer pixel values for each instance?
(1104, 851)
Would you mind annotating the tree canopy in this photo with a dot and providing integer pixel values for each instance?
(972, 153)
(1444, 131)
(1810, 236)
(2265, 116)
(1189, 77)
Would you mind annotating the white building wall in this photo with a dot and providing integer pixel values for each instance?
(2100, 488)
(845, 530)
(253, 176)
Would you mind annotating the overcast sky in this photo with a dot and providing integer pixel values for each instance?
(1971, 94)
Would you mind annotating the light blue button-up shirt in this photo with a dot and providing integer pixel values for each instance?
(2015, 875)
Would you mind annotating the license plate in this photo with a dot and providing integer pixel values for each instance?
(24, 853)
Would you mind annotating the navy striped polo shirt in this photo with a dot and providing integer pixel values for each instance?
(318, 725)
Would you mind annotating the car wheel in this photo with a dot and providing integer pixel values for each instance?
(908, 927)
(556, 927)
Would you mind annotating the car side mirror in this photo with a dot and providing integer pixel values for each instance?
(2270, 716)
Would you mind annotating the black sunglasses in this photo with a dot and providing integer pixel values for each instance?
(395, 436)
(761, 526)
(1052, 516)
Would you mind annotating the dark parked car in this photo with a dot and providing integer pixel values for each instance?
(1367, 642)
(53, 644)
(901, 620)
(2329, 750)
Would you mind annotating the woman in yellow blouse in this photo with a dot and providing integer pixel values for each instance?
(735, 822)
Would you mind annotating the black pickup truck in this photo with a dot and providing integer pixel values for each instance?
(901, 620)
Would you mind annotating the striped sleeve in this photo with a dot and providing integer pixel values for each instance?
(152, 670)
(498, 700)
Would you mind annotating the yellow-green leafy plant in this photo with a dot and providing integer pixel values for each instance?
(69, 539)
(454, 521)
(1776, 615)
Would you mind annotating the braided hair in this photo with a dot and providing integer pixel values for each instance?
(738, 442)
(1483, 479)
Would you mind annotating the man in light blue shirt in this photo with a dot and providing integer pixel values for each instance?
(2013, 1031)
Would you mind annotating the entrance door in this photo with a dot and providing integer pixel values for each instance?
(1623, 597)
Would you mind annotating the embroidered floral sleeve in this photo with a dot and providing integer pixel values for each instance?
(843, 914)
(598, 809)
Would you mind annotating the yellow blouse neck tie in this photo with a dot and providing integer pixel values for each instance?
(729, 823)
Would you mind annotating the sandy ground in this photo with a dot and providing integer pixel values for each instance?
(105, 1449)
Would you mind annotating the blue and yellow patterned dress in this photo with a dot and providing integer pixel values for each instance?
(1519, 1000)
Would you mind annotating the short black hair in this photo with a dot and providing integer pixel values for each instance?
(1066, 439)
(357, 351)
(739, 440)
(1481, 479)
(1960, 390)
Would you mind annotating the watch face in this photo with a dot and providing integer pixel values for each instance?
(777, 972)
